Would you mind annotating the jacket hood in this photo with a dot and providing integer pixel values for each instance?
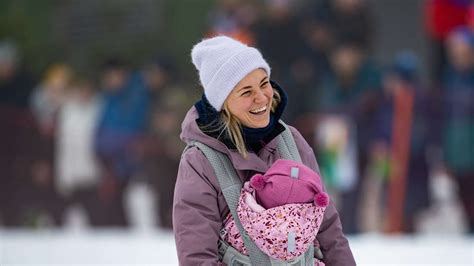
(190, 132)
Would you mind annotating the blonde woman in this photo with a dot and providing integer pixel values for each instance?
(238, 115)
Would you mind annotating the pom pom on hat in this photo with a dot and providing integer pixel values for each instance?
(257, 181)
(321, 199)
(222, 62)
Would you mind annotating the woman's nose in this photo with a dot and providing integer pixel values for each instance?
(259, 96)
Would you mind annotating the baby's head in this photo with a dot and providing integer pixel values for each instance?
(287, 182)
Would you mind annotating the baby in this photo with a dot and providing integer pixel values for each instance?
(281, 211)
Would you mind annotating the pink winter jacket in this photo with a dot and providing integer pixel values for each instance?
(199, 207)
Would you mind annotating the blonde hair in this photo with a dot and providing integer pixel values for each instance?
(233, 128)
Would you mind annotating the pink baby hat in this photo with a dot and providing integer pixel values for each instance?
(287, 182)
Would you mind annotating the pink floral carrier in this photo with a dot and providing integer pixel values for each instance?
(284, 232)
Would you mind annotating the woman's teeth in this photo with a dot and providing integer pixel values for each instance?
(259, 110)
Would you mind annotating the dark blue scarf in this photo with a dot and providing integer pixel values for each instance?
(255, 138)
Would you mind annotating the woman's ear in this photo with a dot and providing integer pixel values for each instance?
(257, 182)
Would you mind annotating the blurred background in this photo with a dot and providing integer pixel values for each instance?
(92, 95)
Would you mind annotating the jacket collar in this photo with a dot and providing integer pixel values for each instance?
(256, 162)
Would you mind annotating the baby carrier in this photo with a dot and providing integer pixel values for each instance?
(231, 186)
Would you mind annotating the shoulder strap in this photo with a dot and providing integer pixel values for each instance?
(231, 185)
(286, 145)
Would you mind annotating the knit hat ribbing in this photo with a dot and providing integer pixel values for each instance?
(222, 62)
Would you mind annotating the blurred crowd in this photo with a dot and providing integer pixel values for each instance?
(395, 148)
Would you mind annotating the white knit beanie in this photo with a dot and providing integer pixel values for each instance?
(222, 62)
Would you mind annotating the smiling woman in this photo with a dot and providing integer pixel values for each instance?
(250, 100)
(239, 118)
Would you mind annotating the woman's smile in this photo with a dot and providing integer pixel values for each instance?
(259, 111)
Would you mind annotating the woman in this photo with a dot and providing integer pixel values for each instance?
(238, 115)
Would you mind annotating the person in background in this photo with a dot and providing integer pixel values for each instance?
(349, 90)
(457, 128)
(45, 102)
(161, 147)
(122, 123)
(77, 172)
(401, 80)
(19, 135)
(238, 115)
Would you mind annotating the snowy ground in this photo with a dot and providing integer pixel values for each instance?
(113, 247)
(76, 244)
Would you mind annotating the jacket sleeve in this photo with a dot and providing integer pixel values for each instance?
(334, 245)
(196, 217)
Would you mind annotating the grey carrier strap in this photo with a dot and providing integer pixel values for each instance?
(231, 185)
(286, 145)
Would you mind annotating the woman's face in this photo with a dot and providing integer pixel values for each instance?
(251, 99)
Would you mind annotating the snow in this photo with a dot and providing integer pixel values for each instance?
(152, 247)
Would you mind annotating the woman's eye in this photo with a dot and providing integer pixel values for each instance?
(246, 93)
(265, 84)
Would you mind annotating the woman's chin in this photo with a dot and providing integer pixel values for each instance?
(258, 123)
